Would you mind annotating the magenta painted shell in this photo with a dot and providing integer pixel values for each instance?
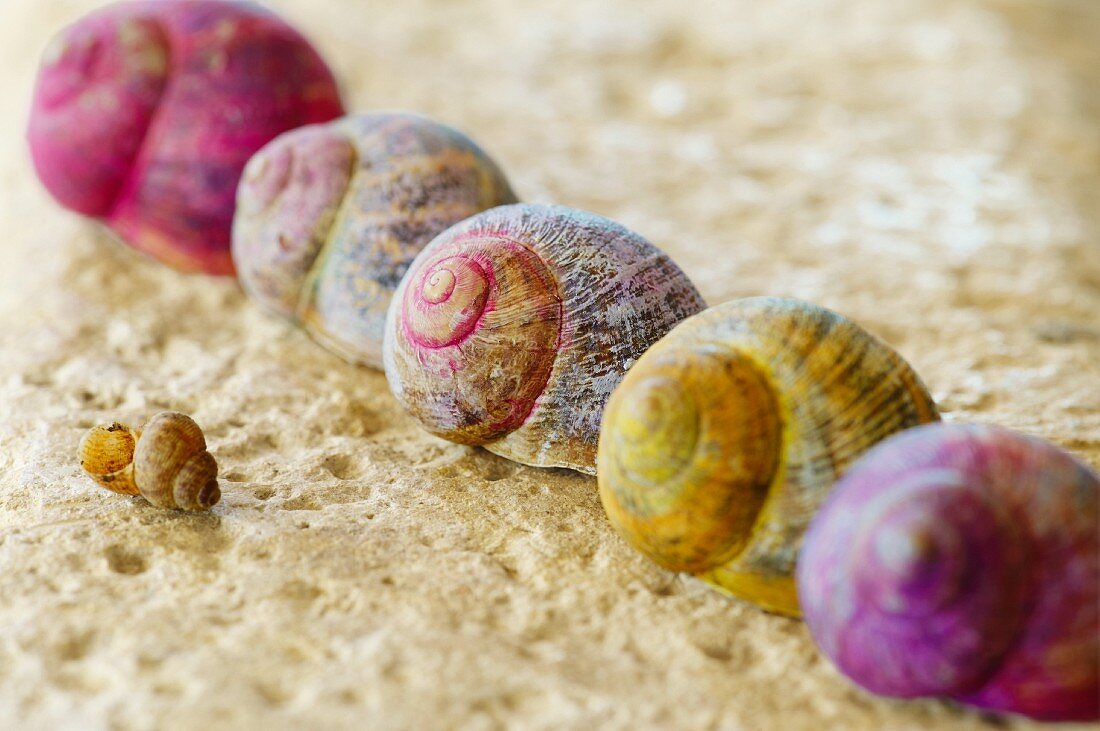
(511, 329)
(962, 561)
(330, 216)
(145, 113)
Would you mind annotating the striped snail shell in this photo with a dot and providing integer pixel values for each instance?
(165, 461)
(723, 439)
(145, 113)
(962, 561)
(330, 216)
(511, 329)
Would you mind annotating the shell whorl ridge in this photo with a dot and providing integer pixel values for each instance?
(962, 561)
(165, 461)
(728, 433)
(511, 329)
(330, 217)
(145, 114)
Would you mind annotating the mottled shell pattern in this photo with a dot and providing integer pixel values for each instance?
(962, 561)
(165, 462)
(724, 438)
(512, 328)
(145, 113)
(330, 217)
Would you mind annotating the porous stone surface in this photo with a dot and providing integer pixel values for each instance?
(930, 168)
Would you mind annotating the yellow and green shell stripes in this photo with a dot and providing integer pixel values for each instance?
(725, 437)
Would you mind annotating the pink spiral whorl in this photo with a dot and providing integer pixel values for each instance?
(446, 301)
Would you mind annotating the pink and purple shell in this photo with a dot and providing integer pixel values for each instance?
(511, 329)
(330, 216)
(145, 114)
(962, 561)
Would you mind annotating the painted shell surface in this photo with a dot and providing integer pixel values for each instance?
(145, 113)
(330, 217)
(725, 437)
(962, 561)
(165, 462)
(512, 328)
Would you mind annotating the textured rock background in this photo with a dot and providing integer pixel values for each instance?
(928, 167)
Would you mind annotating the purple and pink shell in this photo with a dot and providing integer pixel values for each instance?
(145, 113)
(962, 561)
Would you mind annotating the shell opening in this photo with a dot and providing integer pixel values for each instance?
(195, 486)
(209, 496)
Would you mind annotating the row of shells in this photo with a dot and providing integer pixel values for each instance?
(769, 446)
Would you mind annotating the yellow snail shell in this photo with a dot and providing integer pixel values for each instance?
(165, 462)
(722, 441)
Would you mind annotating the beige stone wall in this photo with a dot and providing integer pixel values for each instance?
(930, 168)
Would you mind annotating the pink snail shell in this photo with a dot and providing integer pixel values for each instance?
(511, 329)
(329, 218)
(145, 113)
(962, 561)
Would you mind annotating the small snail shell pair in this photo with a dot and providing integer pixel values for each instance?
(511, 329)
(329, 218)
(724, 438)
(165, 462)
(962, 561)
(145, 113)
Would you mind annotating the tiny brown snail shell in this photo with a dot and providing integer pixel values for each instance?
(165, 461)
(962, 560)
(722, 440)
(330, 216)
(511, 329)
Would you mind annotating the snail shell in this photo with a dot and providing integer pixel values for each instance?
(145, 113)
(511, 329)
(165, 462)
(330, 217)
(962, 561)
(727, 434)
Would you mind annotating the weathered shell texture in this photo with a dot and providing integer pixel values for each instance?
(726, 436)
(145, 113)
(329, 218)
(512, 328)
(166, 462)
(962, 561)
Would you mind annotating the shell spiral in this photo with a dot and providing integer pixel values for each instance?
(165, 461)
(330, 217)
(962, 561)
(723, 439)
(145, 114)
(511, 329)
